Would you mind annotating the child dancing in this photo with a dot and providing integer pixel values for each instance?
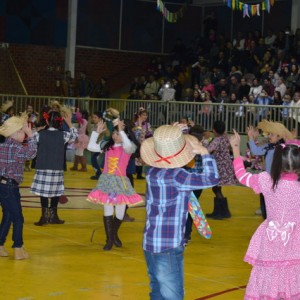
(113, 187)
(274, 248)
(12, 157)
(48, 181)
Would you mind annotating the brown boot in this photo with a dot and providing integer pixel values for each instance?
(3, 252)
(76, 161)
(82, 160)
(44, 217)
(20, 253)
(53, 217)
(127, 218)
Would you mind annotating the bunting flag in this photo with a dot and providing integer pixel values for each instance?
(250, 9)
(171, 17)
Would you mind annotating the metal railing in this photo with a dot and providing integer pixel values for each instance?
(235, 116)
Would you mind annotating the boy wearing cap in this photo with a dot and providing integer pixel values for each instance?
(169, 187)
(12, 158)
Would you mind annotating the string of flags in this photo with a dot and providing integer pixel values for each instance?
(250, 9)
(171, 17)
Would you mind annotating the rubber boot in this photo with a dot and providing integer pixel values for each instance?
(225, 213)
(117, 224)
(44, 217)
(82, 160)
(20, 253)
(217, 212)
(53, 217)
(109, 230)
(3, 252)
(76, 161)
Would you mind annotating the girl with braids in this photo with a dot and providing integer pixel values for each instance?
(114, 189)
(274, 248)
(48, 180)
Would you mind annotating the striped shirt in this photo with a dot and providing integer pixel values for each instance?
(167, 196)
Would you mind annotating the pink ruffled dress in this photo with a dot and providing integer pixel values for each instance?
(274, 249)
(83, 139)
(113, 186)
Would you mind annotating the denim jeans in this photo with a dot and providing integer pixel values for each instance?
(95, 164)
(165, 270)
(10, 200)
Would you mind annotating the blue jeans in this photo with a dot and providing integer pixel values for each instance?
(165, 270)
(10, 200)
(95, 164)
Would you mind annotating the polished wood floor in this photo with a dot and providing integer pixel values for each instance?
(66, 264)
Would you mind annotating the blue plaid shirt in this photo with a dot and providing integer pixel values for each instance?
(13, 156)
(167, 196)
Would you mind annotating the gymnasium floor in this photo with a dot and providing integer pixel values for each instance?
(65, 264)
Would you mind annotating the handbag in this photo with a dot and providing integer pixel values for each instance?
(93, 146)
(198, 217)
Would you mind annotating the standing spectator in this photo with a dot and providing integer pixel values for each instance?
(12, 157)
(295, 113)
(67, 88)
(85, 88)
(281, 87)
(244, 89)
(270, 38)
(256, 88)
(151, 86)
(169, 188)
(48, 181)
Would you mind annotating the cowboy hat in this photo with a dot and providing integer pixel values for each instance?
(12, 125)
(275, 128)
(169, 148)
(6, 105)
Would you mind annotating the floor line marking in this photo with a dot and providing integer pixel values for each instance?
(222, 292)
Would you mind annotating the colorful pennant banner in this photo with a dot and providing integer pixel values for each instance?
(250, 9)
(171, 17)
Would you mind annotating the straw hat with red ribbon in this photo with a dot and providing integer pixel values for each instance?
(168, 148)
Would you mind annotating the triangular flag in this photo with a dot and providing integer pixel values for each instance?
(257, 9)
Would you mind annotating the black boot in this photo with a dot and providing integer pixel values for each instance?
(109, 230)
(225, 213)
(44, 217)
(217, 212)
(53, 217)
(117, 224)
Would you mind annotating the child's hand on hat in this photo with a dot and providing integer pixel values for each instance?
(198, 148)
(27, 129)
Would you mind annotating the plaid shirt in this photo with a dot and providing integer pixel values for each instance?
(167, 196)
(12, 157)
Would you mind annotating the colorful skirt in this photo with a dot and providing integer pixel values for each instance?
(114, 190)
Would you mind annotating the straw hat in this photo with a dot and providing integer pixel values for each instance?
(5, 106)
(168, 148)
(275, 128)
(12, 125)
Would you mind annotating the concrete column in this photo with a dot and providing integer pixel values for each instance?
(71, 38)
(295, 19)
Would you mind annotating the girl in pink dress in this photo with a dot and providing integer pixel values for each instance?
(274, 248)
(113, 189)
(81, 142)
